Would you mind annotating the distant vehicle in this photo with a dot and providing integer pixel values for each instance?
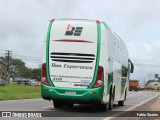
(2, 82)
(133, 85)
(153, 85)
(25, 81)
(84, 62)
(157, 87)
(32, 82)
(37, 84)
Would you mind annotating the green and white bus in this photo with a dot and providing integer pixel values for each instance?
(84, 62)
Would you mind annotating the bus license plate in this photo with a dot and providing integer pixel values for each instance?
(70, 92)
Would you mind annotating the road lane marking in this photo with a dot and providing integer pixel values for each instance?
(48, 107)
(21, 100)
(108, 118)
(141, 103)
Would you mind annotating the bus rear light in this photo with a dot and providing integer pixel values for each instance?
(44, 79)
(44, 70)
(52, 20)
(99, 80)
(98, 22)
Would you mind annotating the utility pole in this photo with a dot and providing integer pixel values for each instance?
(8, 55)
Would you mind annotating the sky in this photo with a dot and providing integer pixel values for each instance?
(137, 22)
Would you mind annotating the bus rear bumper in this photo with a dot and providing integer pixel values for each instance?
(72, 95)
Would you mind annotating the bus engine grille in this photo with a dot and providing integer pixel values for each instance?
(72, 57)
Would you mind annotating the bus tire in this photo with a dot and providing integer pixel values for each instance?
(69, 105)
(104, 107)
(121, 103)
(110, 106)
(58, 104)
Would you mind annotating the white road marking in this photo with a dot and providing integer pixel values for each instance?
(141, 103)
(108, 118)
(22, 100)
(48, 107)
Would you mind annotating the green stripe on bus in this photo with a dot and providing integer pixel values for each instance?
(47, 52)
(104, 24)
(98, 54)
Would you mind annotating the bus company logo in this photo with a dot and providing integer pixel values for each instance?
(75, 31)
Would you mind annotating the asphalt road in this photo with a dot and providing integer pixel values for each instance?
(86, 111)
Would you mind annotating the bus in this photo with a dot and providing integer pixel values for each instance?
(84, 62)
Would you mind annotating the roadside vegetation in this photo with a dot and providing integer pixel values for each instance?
(14, 91)
(17, 69)
(153, 91)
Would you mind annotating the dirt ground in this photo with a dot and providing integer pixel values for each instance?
(152, 106)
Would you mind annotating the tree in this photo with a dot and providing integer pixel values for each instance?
(3, 68)
(20, 70)
(17, 68)
(36, 73)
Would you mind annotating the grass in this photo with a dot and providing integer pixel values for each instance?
(14, 91)
(153, 90)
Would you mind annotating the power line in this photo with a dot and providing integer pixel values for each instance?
(145, 60)
(147, 65)
(27, 56)
(8, 55)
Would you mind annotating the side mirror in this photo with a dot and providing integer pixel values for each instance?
(132, 66)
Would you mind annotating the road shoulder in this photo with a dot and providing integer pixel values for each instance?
(150, 107)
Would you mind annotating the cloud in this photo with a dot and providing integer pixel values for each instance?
(23, 24)
(146, 58)
(139, 50)
(135, 13)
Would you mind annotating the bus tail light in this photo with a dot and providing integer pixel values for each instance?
(100, 78)
(44, 79)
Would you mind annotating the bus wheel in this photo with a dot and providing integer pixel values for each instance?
(58, 104)
(69, 105)
(121, 103)
(104, 107)
(110, 107)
